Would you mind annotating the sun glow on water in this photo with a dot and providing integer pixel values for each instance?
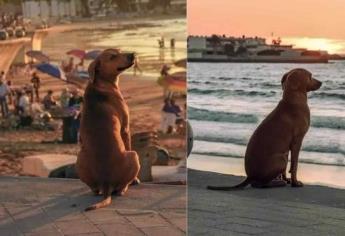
(325, 44)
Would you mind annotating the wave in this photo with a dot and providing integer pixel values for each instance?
(203, 114)
(227, 92)
(328, 95)
(330, 122)
(243, 142)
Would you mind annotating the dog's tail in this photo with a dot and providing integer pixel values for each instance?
(229, 188)
(106, 199)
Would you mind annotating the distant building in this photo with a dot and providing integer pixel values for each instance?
(53, 9)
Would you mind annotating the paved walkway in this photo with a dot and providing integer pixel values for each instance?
(41, 206)
(311, 210)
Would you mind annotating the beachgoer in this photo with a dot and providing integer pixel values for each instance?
(76, 99)
(2, 76)
(24, 109)
(23, 106)
(172, 43)
(49, 101)
(136, 66)
(36, 84)
(11, 92)
(80, 66)
(168, 117)
(65, 97)
(4, 91)
(165, 69)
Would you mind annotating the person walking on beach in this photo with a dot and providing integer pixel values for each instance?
(4, 91)
(36, 84)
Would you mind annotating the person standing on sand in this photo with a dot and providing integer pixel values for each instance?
(65, 97)
(168, 117)
(2, 76)
(36, 84)
(136, 66)
(4, 91)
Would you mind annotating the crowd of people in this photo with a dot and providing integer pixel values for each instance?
(25, 101)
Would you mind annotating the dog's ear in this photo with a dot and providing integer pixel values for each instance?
(292, 80)
(93, 70)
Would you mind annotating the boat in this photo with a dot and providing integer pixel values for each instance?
(249, 49)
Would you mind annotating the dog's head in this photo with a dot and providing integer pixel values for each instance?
(109, 64)
(300, 80)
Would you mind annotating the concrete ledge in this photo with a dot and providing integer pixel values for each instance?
(42, 165)
(43, 206)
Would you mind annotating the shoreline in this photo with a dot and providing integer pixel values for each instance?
(309, 174)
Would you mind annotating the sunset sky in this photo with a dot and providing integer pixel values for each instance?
(316, 24)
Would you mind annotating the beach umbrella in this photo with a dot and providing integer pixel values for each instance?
(181, 63)
(175, 82)
(51, 70)
(77, 53)
(91, 55)
(38, 55)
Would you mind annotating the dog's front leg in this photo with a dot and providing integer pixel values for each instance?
(126, 134)
(295, 149)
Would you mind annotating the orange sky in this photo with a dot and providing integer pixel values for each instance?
(286, 18)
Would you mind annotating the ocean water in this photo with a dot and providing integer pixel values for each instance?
(227, 101)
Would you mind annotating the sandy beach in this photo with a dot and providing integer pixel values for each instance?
(142, 93)
(311, 210)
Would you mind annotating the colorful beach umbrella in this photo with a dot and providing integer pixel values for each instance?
(77, 53)
(92, 55)
(52, 70)
(38, 55)
(175, 82)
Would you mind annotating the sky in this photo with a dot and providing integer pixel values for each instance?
(316, 24)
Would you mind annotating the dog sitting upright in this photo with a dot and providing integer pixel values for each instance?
(105, 162)
(281, 132)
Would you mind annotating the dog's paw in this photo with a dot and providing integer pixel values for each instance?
(296, 184)
(136, 181)
(287, 180)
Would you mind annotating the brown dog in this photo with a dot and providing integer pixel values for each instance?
(282, 131)
(105, 162)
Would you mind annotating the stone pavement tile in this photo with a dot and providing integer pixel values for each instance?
(64, 213)
(180, 223)
(105, 216)
(329, 229)
(91, 234)
(29, 219)
(148, 220)
(120, 229)
(45, 233)
(73, 227)
(162, 230)
(9, 232)
(286, 230)
(238, 228)
(176, 217)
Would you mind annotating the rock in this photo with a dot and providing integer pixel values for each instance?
(42, 165)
